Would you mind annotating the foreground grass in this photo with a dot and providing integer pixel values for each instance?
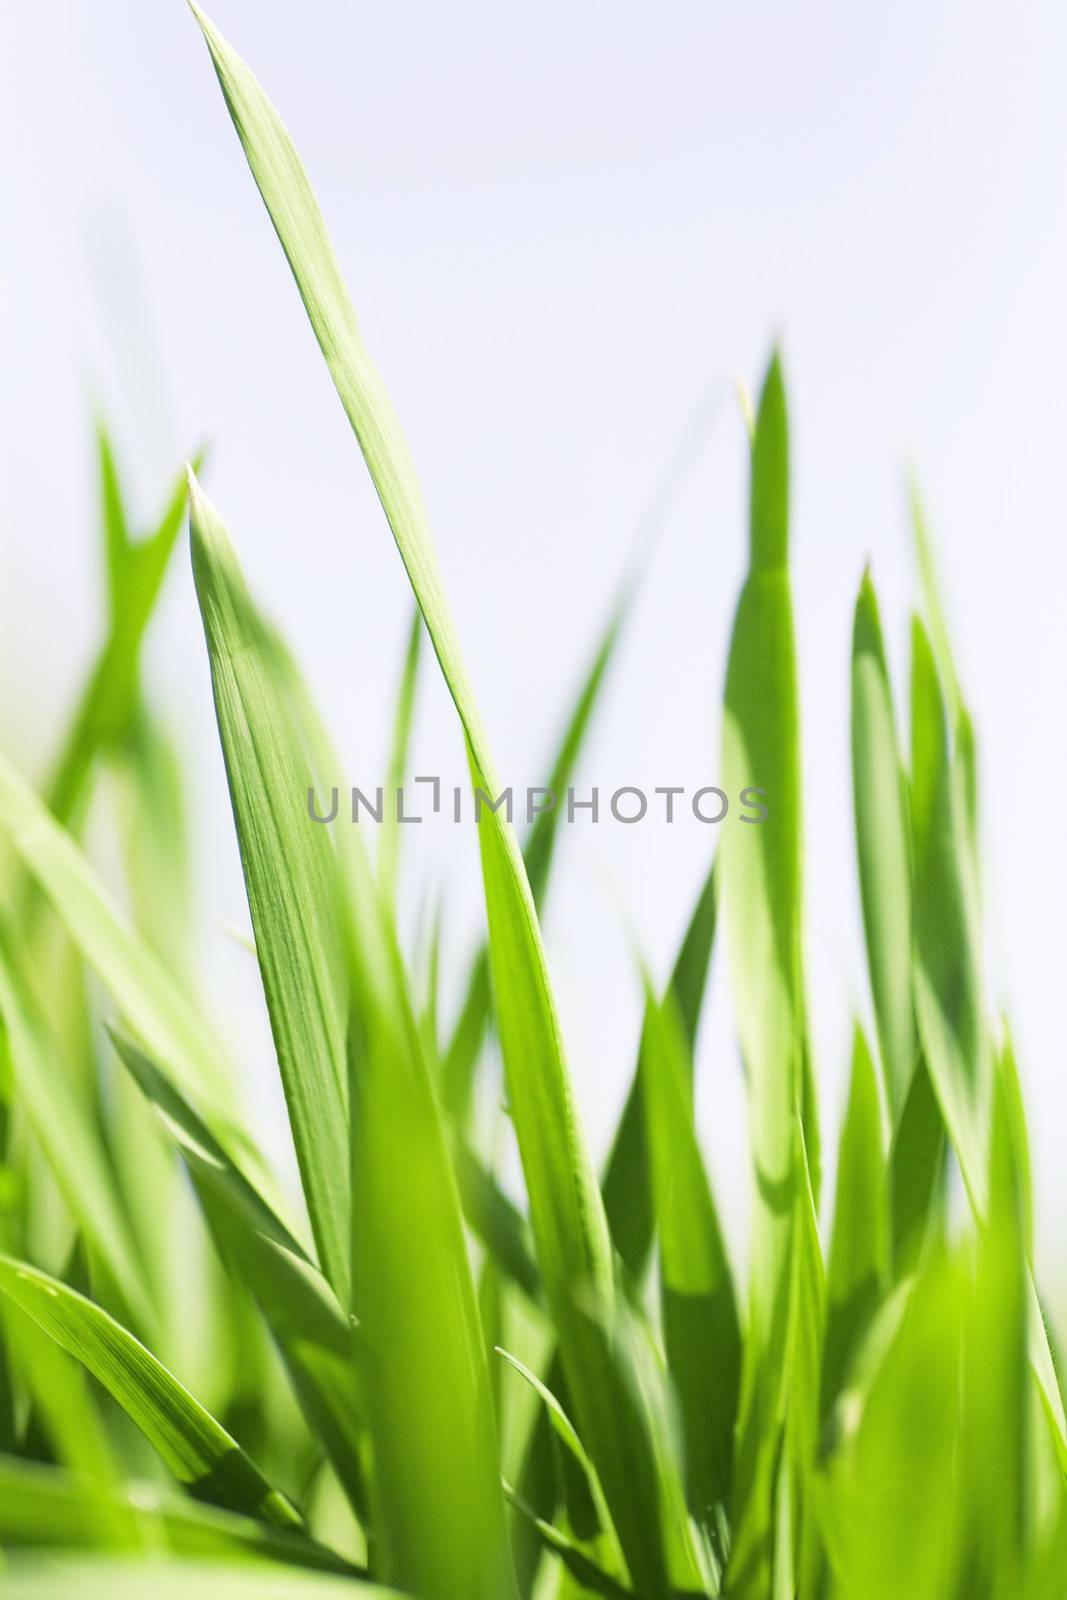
(412, 1382)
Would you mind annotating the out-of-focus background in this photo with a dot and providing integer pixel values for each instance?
(565, 229)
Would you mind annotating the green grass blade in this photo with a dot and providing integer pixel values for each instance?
(856, 1273)
(700, 1324)
(316, 1339)
(762, 888)
(882, 848)
(290, 879)
(109, 700)
(607, 1545)
(137, 979)
(66, 1128)
(199, 1452)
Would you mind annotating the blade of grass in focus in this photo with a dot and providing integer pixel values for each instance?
(290, 881)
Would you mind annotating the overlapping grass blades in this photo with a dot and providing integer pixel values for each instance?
(869, 1427)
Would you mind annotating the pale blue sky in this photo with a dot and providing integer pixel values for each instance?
(561, 224)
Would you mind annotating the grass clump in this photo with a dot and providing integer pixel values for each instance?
(412, 1384)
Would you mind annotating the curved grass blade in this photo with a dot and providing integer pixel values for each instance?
(566, 1212)
(606, 1545)
(199, 1452)
(882, 848)
(290, 879)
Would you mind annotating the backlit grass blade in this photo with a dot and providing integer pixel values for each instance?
(857, 1268)
(566, 1212)
(66, 1126)
(882, 848)
(290, 879)
(762, 888)
(316, 1339)
(199, 1452)
(139, 983)
(699, 1313)
(43, 1507)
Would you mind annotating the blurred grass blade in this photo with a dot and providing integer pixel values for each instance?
(700, 1325)
(882, 849)
(44, 1507)
(496, 1221)
(65, 1126)
(762, 888)
(138, 981)
(290, 879)
(135, 572)
(567, 1215)
(314, 1336)
(199, 1452)
(857, 1267)
(389, 844)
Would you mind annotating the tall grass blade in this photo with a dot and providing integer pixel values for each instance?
(566, 1212)
(762, 888)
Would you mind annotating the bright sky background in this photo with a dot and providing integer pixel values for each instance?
(562, 226)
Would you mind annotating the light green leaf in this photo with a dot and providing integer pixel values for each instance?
(291, 882)
(65, 1125)
(199, 1452)
(316, 1339)
(389, 844)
